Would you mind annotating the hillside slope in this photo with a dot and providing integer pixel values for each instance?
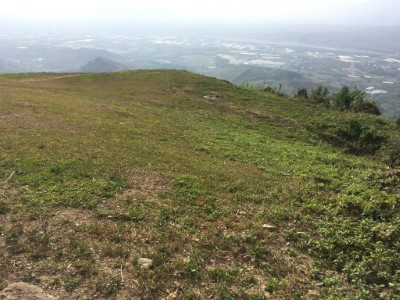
(248, 196)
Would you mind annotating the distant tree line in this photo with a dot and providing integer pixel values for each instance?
(275, 90)
(345, 100)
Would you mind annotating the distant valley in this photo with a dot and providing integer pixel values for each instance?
(269, 60)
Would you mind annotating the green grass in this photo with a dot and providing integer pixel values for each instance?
(99, 170)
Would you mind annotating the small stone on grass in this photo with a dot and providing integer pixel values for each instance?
(145, 263)
(269, 227)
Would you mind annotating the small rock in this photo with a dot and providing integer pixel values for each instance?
(145, 263)
(24, 291)
(172, 295)
(313, 294)
(247, 258)
(269, 227)
(212, 97)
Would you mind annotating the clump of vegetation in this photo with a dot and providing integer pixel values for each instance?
(344, 100)
(359, 138)
(3, 208)
(301, 93)
(320, 95)
(393, 159)
(275, 90)
(354, 101)
(359, 235)
(354, 135)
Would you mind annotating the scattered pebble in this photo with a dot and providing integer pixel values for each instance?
(145, 263)
(269, 227)
(212, 97)
(247, 258)
(313, 294)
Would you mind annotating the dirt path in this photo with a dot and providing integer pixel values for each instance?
(48, 78)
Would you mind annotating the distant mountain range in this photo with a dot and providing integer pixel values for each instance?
(101, 64)
(263, 76)
(44, 58)
(374, 39)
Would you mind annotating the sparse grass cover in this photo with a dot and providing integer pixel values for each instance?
(249, 196)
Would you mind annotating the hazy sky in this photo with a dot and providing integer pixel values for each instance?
(373, 12)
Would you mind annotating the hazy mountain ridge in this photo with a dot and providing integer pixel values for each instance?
(101, 64)
(22, 58)
(383, 39)
(261, 77)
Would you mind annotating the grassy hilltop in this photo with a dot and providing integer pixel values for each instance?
(245, 195)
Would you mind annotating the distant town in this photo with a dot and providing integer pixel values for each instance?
(255, 62)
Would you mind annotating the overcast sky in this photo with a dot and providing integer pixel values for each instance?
(354, 12)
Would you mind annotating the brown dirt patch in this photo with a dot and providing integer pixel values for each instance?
(47, 78)
(149, 184)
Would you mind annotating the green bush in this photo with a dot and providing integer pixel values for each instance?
(393, 159)
(344, 100)
(301, 93)
(354, 136)
(275, 90)
(320, 95)
(360, 139)
(355, 101)
(365, 106)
